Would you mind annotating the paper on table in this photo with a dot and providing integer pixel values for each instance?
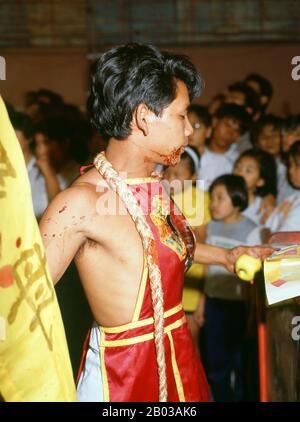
(282, 274)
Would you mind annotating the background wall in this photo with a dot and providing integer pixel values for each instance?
(66, 71)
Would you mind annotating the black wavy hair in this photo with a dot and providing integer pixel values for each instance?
(131, 74)
(236, 189)
(267, 170)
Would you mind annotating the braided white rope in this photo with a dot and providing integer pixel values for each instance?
(118, 185)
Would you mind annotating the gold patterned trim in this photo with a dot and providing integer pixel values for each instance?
(141, 323)
(141, 292)
(144, 337)
(137, 180)
(176, 372)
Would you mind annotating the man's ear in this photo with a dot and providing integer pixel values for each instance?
(141, 118)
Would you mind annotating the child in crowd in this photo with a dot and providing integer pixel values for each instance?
(43, 180)
(243, 95)
(290, 132)
(258, 168)
(226, 296)
(286, 217)
(229, 123)
(266, 136)
(193, 203)
(200, 120)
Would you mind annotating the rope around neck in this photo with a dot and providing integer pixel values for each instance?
(113, 179)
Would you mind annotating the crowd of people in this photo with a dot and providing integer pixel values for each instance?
(249, 169)
(247, 163)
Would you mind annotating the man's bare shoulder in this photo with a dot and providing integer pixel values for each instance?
(83, 192)
(76, 203)
(76, 198)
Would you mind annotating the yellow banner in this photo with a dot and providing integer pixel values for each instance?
(34, 359)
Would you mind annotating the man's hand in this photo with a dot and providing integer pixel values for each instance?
(261, 252)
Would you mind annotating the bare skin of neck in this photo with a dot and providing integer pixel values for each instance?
(130, 157)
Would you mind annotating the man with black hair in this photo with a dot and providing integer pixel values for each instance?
(130, 245)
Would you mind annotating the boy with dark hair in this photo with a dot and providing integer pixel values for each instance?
(266, 134)
(129, 244)
(242, 94)
(200, 120)
(229, 123)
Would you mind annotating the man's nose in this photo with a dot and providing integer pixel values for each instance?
(189, 130)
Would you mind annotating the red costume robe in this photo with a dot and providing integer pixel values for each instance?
(127, 356)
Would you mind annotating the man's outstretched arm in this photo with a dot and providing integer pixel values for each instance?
(213, 255)
(62, 229)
